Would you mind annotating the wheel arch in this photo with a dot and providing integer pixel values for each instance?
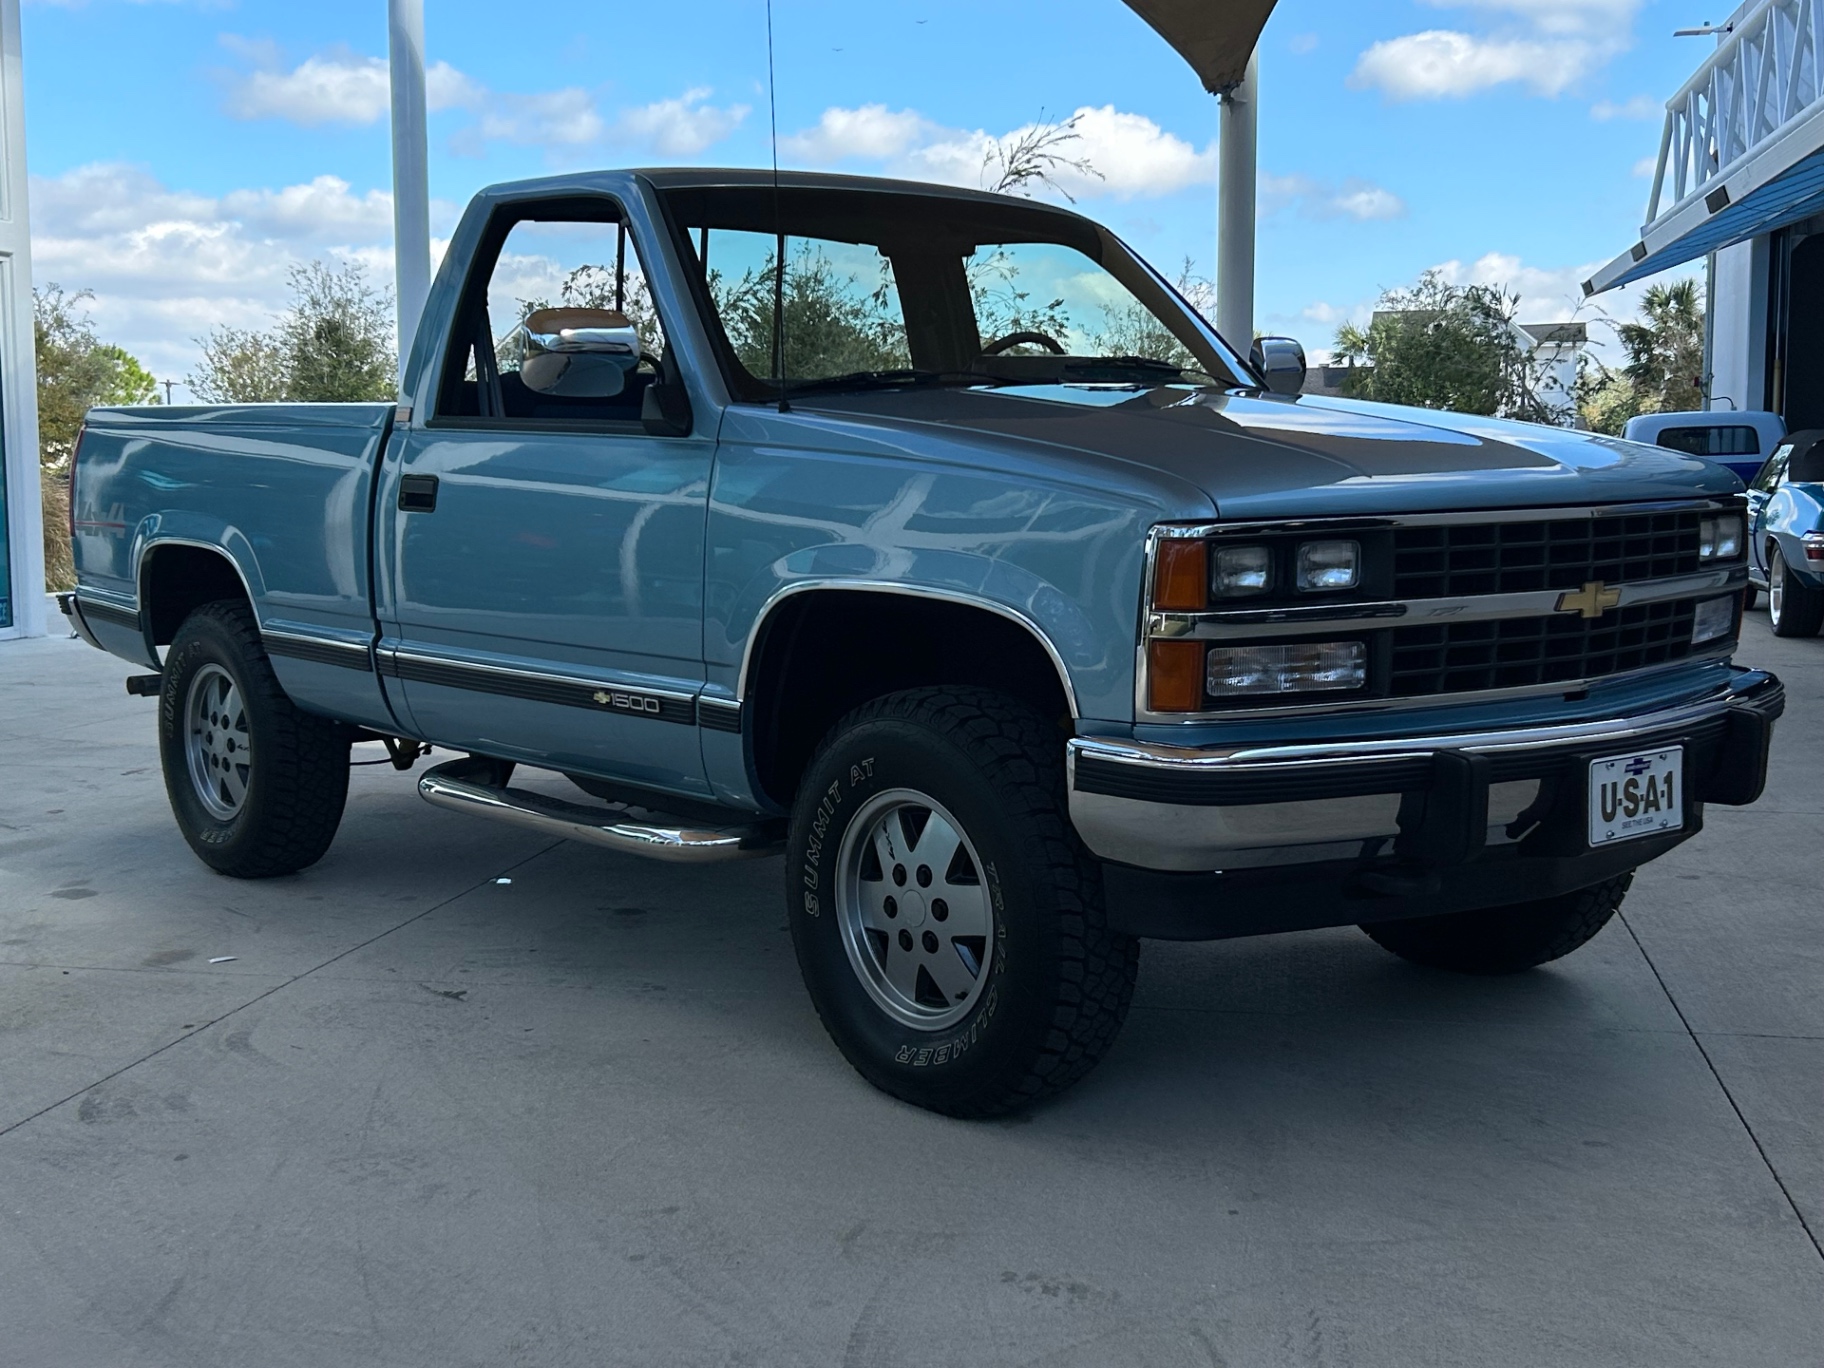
(177, 576)
(820, 648)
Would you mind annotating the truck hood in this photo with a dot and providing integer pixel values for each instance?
(1268, 456)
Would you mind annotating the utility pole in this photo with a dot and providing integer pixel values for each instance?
(167, 384)
(1235, 211)
(411, 174)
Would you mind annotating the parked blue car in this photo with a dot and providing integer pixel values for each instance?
(1786, 533)
(930, 538)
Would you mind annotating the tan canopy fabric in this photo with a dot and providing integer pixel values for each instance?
(1215, 36)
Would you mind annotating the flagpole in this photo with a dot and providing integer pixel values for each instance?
(411, 173)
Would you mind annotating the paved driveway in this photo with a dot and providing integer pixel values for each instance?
(429, 1116)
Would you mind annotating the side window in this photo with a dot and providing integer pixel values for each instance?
(1774, 471)
(556, 324)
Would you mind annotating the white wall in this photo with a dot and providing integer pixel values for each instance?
(18, 378)
(1738, 327)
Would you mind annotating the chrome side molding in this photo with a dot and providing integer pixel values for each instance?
(463, 786)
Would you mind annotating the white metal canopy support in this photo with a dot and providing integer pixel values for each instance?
(21, 508)
(411, 170)
(1237, 154)
(1750, 115)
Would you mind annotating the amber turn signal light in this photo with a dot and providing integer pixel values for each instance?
(1181, 575)
(1174, 676)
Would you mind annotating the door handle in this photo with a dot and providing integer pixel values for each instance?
(417, 493)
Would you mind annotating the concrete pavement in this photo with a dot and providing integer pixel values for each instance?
(588, 1116)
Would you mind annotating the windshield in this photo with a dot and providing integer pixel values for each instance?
(888, 289)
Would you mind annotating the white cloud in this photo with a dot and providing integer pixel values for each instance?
(1134, 155)
(166, 266)
(1301, 43)
(1356, 199)
(1640, 107)
(872, 132)
(1440, 63)
(1362, 201)
(682, 127)
(339, 87)
(1545, 46)
(346, 88)
(553, 118)
(1646, 166)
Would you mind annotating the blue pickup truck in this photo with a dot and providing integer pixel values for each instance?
(930, 538)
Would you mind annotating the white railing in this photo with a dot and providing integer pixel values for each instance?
(1763, 76)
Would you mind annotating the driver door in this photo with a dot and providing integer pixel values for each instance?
(1763, 488)
(546, 549)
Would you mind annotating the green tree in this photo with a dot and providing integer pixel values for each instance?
(834, 323)
(1665, 348)
(76, 370)
(1444, 346)
(333, 345)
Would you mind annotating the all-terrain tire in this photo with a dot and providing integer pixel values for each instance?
(1797, 609)
(291, 794)
(1504, 940)
(1054, 985)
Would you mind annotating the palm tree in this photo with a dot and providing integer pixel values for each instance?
(1666, 348)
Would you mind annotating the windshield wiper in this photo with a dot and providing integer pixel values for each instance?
(1146, 365)
(890, 379)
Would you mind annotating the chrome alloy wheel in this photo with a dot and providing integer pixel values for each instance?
(1776, 586)
(914, 910)
(216, 743)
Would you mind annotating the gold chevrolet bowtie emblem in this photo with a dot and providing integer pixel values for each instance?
(603, 697)
(1593, 600)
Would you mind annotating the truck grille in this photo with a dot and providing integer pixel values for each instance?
(1457, 560)
(1460, 657)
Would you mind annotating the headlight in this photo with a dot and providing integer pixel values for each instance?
(1240, 571)
(1308, 667)
(1714, 618)
(1329, 565)
(1720, 538)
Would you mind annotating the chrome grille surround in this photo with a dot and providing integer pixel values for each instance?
(1614, 535)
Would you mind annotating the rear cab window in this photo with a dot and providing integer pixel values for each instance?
(1731, 440)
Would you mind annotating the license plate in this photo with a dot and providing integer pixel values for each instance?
(1637, 795)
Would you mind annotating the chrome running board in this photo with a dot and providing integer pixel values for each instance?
(462, 786)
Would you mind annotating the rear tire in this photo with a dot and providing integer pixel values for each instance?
(1796, 608)
(948, 922)
(1504, 940)
(257, 784)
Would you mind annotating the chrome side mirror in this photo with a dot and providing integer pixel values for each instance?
(1279, 361)
(577, 353)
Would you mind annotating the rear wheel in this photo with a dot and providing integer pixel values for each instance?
(948, 922)
(1504, 940)
(256, 784)
(1796, 608)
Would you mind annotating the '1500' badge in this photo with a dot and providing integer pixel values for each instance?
(627, 702)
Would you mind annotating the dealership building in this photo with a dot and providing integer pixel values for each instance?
(1739, 185)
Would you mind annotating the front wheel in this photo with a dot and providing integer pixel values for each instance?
(1796, 608)
(1504, 940)
(948, 922)
(257, 784)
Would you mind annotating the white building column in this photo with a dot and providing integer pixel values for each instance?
(411, 170)
(23, 507)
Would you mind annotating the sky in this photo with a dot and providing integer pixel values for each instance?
(186, 154)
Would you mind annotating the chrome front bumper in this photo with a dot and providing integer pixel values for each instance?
(1240, 807)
